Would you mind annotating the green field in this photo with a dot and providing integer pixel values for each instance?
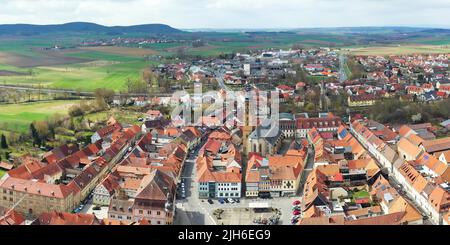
(2, 172)
(100, 70)
(17, 117)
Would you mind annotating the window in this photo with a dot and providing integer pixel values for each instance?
(158, 213)
(140, 211)
(10, 199)
(4, 191)
(159, 222)
(4, 198)
(149, 212)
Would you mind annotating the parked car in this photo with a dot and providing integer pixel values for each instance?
(210, 201)
(296, 208)
(296, 217)
(237, 200)
(296, 202)
(221, 201)
(296, 212)
(226, 200)
(294, 221)
(230, 200)
(182, 184)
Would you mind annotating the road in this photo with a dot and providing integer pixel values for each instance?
(308, 168)
(189, 210)
(220, 81)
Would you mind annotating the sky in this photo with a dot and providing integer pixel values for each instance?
(224, 14)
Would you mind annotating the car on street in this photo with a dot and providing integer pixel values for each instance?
(296, 212)
(294, 221)
(230, 200)
(296, 208)
(296, 202)
(237, 200)
(226, 200)
(221, 201)
(210, 201)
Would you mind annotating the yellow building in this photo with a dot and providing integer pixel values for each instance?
(361, 100)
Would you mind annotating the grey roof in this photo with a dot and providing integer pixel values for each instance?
(268, 130)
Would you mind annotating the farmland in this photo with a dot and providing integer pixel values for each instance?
(17, 117)
(82, 69)
(122, 50)
(400, 49)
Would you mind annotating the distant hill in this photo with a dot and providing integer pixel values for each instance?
(28, 29)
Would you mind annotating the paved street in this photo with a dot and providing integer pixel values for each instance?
(189, 210)
(89, 209)
(308, 168)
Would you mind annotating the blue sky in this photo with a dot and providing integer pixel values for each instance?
(231, 13)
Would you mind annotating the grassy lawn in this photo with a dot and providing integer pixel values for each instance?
(122, 116)
(361, 194)
(17, 117)
(2, 172)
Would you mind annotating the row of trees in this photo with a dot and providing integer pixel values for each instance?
(396, 111)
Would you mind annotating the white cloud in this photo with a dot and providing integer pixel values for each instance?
(231, 13)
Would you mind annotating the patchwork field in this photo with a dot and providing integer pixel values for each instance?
(17, 117)
(122, 50)
(400, 49)
(23, 61)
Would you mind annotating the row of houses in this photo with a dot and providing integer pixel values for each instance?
(415, 165)
(346, 186)
(63, 177)
(143, 186)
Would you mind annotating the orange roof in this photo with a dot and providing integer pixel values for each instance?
(415, 139)
(409, 148)
(365, 211)
(252, 176)
(329, 169)
(36, 187)
(58, 218)
(439, 199)
(323, 220)
(401, 205)
(437, 144)
(404, 130)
